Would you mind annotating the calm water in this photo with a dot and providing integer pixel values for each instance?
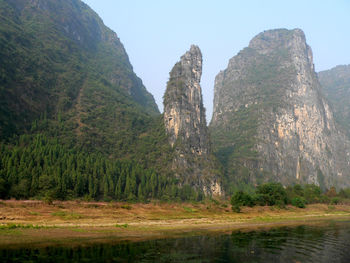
(329, 243)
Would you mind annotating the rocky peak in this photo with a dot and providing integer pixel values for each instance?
(270, 118)
(190, 66)
(276, 40)
(185, 123)
(184, 114)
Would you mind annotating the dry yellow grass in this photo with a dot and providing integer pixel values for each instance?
(81, 222)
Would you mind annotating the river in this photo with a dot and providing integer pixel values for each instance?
(327, 243)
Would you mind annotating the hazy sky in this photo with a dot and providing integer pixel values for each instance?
(155, 33)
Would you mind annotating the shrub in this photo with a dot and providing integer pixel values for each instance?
(236, 209)
(312, 193)
(335, 200)
(48, 199)
(345, 193)
(271, 194)
(280, 204)
(241, 198)
(298, 202)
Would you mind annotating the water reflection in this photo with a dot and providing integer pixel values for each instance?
(299, 244)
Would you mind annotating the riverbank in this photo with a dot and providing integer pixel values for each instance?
(35, 223)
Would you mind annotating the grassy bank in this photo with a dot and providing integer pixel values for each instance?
(40, 224)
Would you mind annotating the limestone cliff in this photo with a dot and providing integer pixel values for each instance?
(185, 123)
(270, 121)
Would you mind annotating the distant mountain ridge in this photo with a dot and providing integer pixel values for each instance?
(335, 85)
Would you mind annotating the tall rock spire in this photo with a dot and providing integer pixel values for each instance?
(185, 123)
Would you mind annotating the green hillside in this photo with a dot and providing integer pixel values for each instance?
(66, 78)
(57, 58)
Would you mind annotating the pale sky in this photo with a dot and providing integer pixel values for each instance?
(155, 33)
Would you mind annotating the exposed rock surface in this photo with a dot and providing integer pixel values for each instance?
(336, 87)
(185, 123)
(270, 120)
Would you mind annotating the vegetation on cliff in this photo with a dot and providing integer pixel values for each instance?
(335, 84)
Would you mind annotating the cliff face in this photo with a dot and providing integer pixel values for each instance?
(335, 85)
(185, 124)
(270, 120)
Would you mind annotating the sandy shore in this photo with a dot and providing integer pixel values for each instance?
(34, 223)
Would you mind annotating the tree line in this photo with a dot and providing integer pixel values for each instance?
(41, 167)
(273, 193)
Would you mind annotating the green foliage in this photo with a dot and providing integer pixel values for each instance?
(274, 194)
(48, 199)
(298, 202)
(236, 209)
(44, 168)
(335, 200)
(312, 193)
(241, 198)
(45, 67)
(271, 194)
(21, 226)
(344, 193)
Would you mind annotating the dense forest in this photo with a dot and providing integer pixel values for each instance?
(40, 167)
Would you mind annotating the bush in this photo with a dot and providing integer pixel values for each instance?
(299, 202)
(236, 209)
(335, 200)
(312, 193)
(48, 199)
(259, 199)
(345, 193)
(280, 204)
(241, 198)
(271, 194)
